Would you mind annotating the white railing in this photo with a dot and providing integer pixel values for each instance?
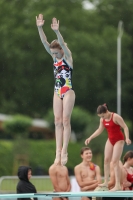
(42, 183)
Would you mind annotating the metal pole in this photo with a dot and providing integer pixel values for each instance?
(120, 32)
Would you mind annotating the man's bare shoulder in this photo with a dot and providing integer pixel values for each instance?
(78, 167)
(97, 166)
(65, 168)
(57, 168)
(52, 168)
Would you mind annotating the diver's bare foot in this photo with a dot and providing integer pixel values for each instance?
(57, 158)
(116, 189)
(103, 188)
(64, 158)
(103, 185)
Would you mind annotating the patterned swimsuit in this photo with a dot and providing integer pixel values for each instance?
(63, 77)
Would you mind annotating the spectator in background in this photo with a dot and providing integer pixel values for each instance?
(87, 173)
(60, 179)
(24, 185)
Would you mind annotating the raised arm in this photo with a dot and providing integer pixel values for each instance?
(55, 28)
(96, 133)
(40, 22)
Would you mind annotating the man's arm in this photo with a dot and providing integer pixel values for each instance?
(98, 174)
(53, 177)
(90, 187)
(68, 183)
(78, 176)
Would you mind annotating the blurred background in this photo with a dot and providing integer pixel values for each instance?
(90, 28)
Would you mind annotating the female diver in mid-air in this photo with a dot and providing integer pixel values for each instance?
(64, 96)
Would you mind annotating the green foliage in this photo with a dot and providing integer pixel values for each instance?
(17, 124)
(50, 118)
(79, 121)
(41, 154)
(6, 157)
(92, 38)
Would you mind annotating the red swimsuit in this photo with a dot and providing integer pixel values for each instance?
(130, 179)
(114, 131)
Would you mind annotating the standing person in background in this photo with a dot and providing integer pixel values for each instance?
(64, 96)
(87, 173)
(115, 142)
(60, 179)
(24, 185)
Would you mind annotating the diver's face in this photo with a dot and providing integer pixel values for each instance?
(57, 53)
(103, 115)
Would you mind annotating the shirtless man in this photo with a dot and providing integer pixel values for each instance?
(87, 173)
(60, 179)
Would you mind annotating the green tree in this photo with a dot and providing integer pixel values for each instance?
(26, 79)
(80, 121)
(18, 128)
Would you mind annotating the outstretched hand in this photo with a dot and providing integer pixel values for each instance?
(128, 141)
(55, 24)
(39, 20)
(87, 141)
